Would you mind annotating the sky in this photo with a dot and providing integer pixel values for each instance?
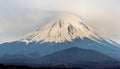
(19, 17)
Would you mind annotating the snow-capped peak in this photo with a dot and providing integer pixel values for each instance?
(61, 28)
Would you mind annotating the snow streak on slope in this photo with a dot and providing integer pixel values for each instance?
(61, 28)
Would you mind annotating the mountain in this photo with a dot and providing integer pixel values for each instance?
(66, 28)
(60, 33)
(75, 57)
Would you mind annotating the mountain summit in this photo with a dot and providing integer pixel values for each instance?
(61, 28)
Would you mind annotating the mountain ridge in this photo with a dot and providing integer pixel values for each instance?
(76, 57)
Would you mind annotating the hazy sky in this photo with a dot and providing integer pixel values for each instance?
(18, 17)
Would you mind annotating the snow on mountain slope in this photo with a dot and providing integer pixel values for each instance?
(60, 28)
